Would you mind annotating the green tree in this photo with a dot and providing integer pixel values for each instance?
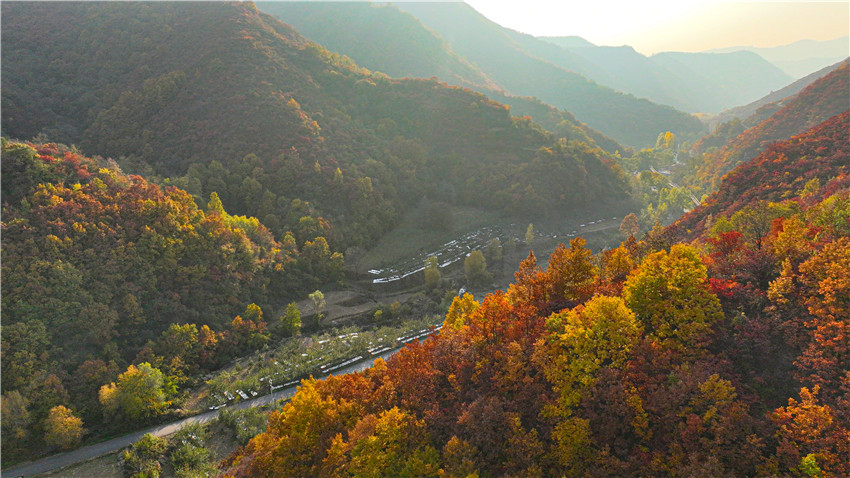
(215, 205)
(62, 429)
(245, 423)
(291, 320)
(14, 420)
(493, 251)
(318, 299)
(142, 460)
(475, 267)
(189, 456)
(755, 221)
(180, 341)
(140, 393)
(432, 273)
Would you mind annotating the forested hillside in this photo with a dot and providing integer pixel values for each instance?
(381, 38)
(280, 128)
(775, 97)
(403, 47)
(98, 264)
(731, 144)
(811, 165)
(179, 181)
(632, 121)
(723, 357)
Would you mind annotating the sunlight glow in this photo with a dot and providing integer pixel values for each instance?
(651, 26)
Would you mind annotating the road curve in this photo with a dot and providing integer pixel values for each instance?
(61, 460)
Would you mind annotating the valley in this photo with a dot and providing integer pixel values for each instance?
(570, 259)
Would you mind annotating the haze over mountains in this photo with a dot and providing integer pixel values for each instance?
(739, 141)
(777, 97)
(462, 47)
(224, 166)
(692, 82)
(494, 50)
(801, 57)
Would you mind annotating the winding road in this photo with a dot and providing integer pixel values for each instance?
(61, 460)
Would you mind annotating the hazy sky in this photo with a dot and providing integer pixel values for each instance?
(651, 26)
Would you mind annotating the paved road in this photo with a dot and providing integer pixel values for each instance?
(62, 460)
(81, 454)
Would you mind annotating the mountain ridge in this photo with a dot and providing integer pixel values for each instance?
(818, 101)
(281, 128)
(630, 120)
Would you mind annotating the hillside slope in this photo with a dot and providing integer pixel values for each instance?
(781, 171)
(819, 101)
(386, 39)
(98, 264)
(381, 38)
(281, 128)
(776, 97)
(723, 357)
(492, 48)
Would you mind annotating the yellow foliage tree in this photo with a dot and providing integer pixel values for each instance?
(62, 429)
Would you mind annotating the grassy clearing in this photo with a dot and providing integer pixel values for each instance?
(412, 236)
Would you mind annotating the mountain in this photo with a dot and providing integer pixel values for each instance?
(780, 172)
(509, 63)
(626, 70)
(723, 356)
(719, 80)
(802, 57)
(403, 47)
(280, 128)
(819, 101)
(777, 97)
(380, 38)
(568, 41)
(693, 82)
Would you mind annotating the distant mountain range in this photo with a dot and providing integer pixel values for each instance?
(506, 58)
(802, 57)
(693, 82)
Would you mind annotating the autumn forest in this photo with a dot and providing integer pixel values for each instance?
(536, 274)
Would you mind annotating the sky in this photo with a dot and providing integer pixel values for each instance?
(651, 26)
